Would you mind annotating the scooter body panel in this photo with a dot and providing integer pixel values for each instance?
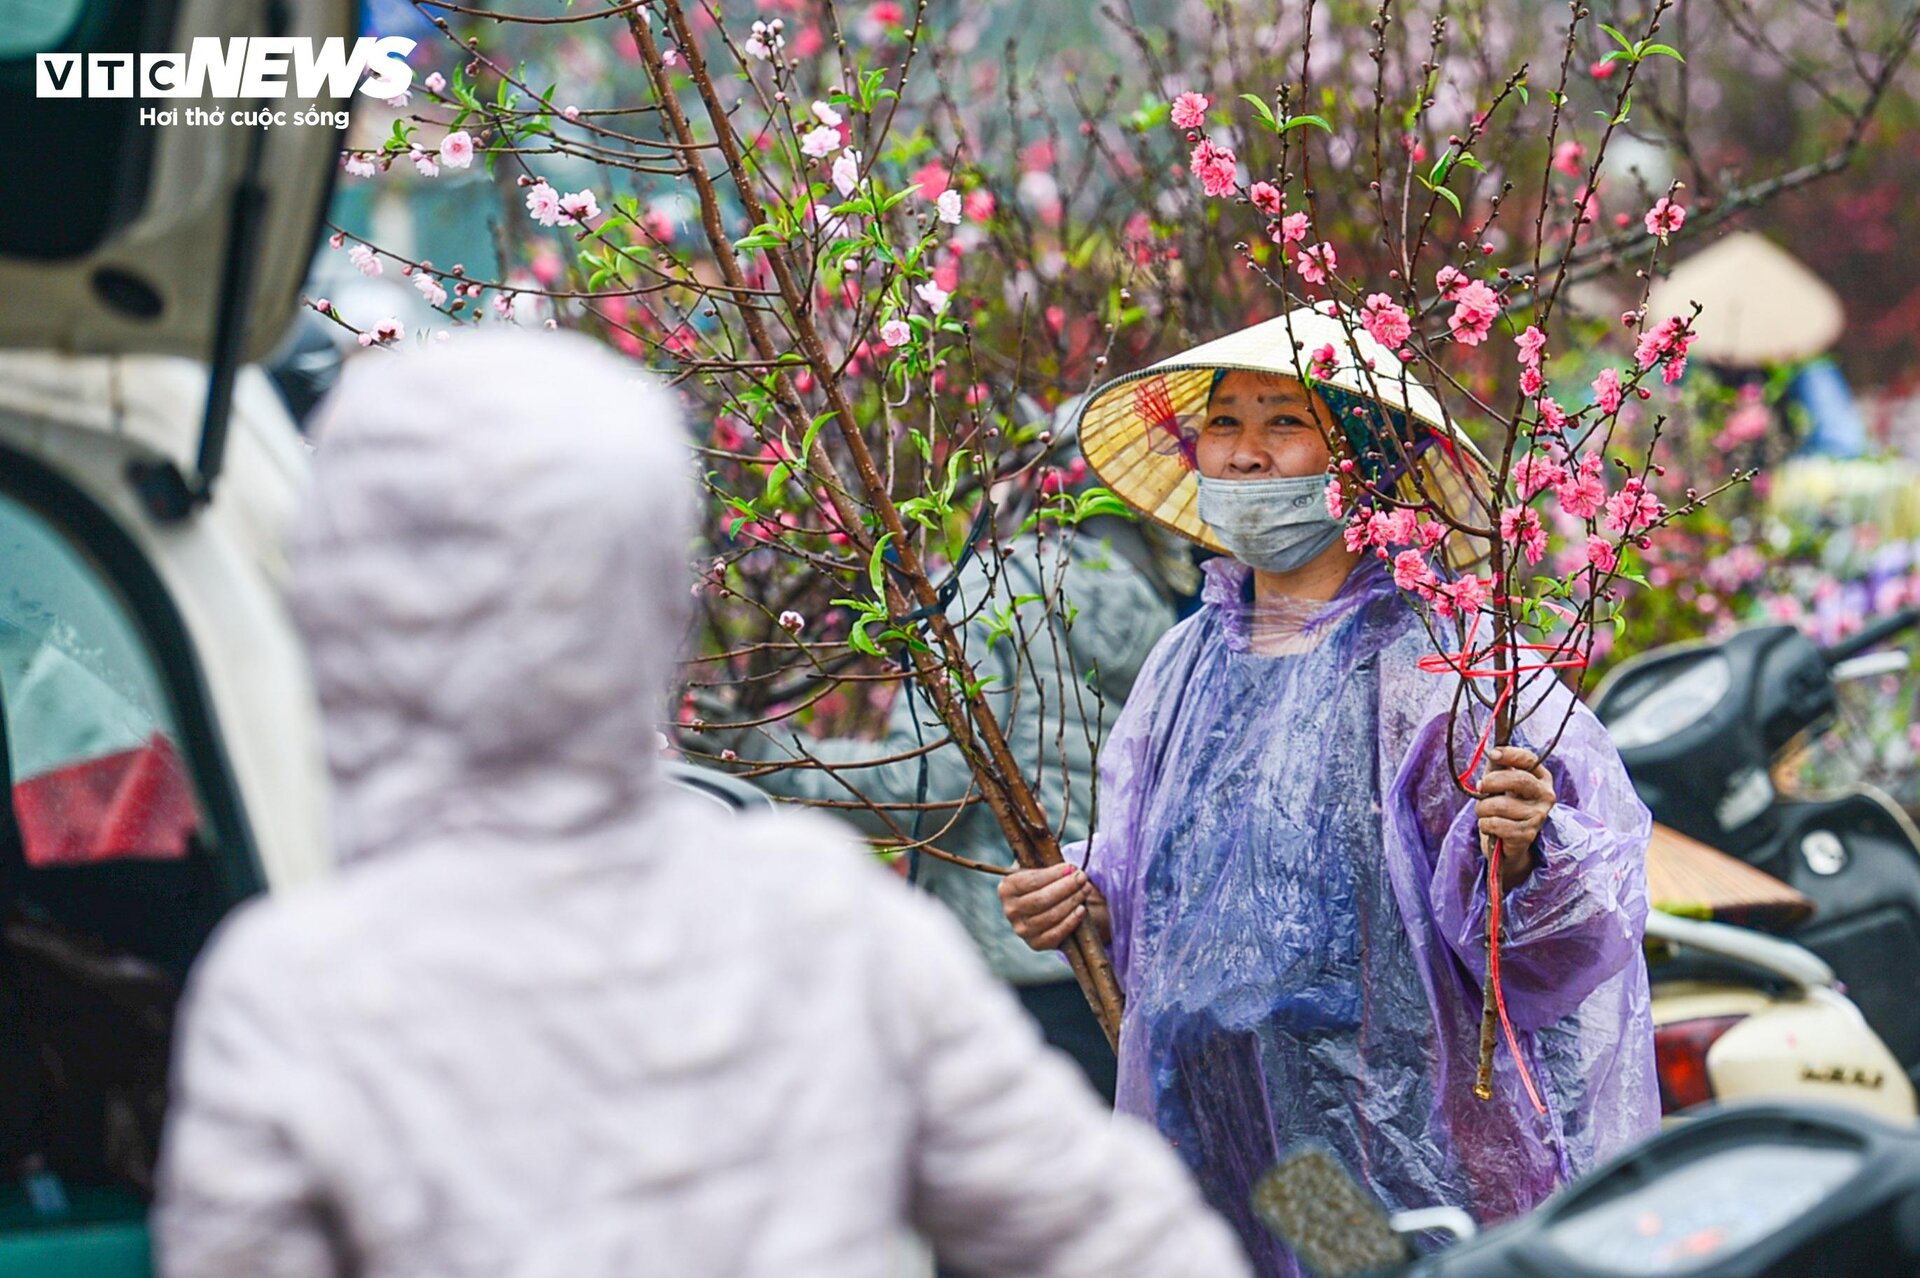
(1815, 1048)
(1855, 857)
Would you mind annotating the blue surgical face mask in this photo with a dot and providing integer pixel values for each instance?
(1275, 525)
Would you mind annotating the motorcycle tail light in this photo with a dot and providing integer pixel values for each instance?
(1680, 1055)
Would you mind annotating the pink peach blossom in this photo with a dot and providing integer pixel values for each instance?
(1534, 472)
(1521, 525)
(1552, 416)
(1190, 110)
(1606, 391)
(1532, 344)
(1324, 361)
(578, 208)
(1315, 263)
(543, 203)
(1468, 593)
(1214, 166)
(819, 142)
(387, 330)
(1411, 571)
(1475, 309)
(1336, 501)
(1664, 218)
(1386, 320)
(1633, 508)
(1584, 490)
(456, 150)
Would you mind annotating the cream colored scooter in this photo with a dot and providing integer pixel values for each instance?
(1740, 1015)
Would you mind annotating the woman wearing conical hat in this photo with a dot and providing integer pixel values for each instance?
(1289, 877)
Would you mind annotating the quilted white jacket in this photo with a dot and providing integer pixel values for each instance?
(550, 1021)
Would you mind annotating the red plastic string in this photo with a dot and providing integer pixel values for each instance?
(1493, 974)
(1466, 664)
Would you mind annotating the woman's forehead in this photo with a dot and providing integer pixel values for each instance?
(1260, 388)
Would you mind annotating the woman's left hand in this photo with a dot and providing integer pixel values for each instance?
(1516, 797)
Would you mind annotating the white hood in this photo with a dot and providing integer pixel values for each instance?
(467, 580)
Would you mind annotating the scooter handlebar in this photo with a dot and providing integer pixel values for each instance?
(1870, 636)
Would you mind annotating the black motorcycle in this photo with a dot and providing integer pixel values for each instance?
(1700, 725)
(1769, 1191)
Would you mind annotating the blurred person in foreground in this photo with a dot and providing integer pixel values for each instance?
(1291, 879)
(552, 1019)
(1106, 572)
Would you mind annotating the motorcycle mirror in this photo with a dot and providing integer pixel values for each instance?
(1335, 1227)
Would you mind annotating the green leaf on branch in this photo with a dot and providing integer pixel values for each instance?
(776, 477)
(813, 433)
(897, 197)
(1444, 194)
(877, 567)
(1152, 114)
(1296, 121)
(1266, 112)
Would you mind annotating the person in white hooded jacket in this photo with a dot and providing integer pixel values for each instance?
(550, 1019)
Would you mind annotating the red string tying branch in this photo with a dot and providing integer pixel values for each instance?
(1467, 663)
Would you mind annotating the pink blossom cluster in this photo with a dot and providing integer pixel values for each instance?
(1535, 473)
(1664, 344)
(1475, 308)
(1214, 165)
(1323, 363)
(1521, 525)
(550, 208)
(1582, 487)
(1386, 320)
(1633, 509)
(1316, 262)
(1532, 345)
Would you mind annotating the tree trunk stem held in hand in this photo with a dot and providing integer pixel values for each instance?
(1492, 848)
(966, 714)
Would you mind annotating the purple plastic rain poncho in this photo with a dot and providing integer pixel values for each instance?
(1299, 907)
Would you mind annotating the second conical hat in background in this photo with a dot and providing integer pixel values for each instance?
(1759, 305)
(1688, 878)
(1137, 431)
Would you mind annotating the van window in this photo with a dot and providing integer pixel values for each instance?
(96, 773)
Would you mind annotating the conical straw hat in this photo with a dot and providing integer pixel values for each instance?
(1137, 431)
(1759, 305)
(1691, 879)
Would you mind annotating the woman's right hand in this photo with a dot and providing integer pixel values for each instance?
(1046, 905)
